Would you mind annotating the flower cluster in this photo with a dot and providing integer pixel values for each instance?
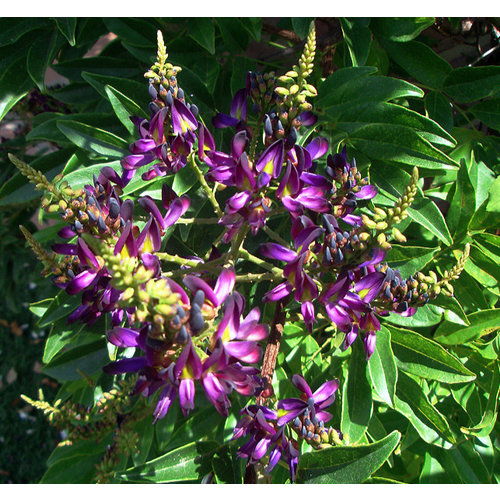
(280, 432)
(185, 317)
(115, 267)
(167, 138)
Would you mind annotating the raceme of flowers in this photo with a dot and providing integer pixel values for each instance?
(191, 327)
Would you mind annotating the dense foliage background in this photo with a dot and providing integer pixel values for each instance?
(397, 93)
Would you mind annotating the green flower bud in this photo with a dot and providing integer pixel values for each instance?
(398, 235)
(282, 91)
(368, 222)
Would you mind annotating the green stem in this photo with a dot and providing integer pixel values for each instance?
(257, 277)
(198, 220)
(205, 186)
(245, 254)
(238, 242)
(181, 261)
(275, 236)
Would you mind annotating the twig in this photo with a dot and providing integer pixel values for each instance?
(205, 186)
(272, 350)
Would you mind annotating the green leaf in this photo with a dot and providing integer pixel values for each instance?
(490, 253)
(342, 77)
(482, 268)
(134, 90)
(428, 315)
(356, 396)
(408, 259)
(94, 139)
(439, 109)
(489, 419)
(423, 211)
(39, 308)
(124, 108)
(362, 89)
(425, 358)
(14, 28)
(254, 26)
(398, 144)
(75, 463)
(481, 178)
(400, 29)
(432, 471)
(488, 112)
(145, 430)
(61, 334)
(481, 323)
(60, 307)
(80, 95)
(462, 204)
(467, 396)
(184, 180)
(412, 402)
(199, 425)
(227, 465)
(472, 83)
(14, 85)
(419, 61)
(357, 37)
(41, 54)
(469, 292)
(137, 32)
(73, 69)
(88, 358)
(463, 463)
(345, 464)
(453, 311)
(364, 113)
(235, 37)
(382, 368)
(78, 178)
(67, 26)
(378, 57)
(494, 201)
(45, 125)
(19, 190)
(301, 26)
(202, 30)
(188, 463)
(489, 243)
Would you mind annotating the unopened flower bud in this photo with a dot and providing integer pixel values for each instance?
(368, 222)
(281, 91)
(398, 235)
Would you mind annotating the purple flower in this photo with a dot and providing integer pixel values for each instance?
(269, 163)
(187, 369)
(182, 118)
(214, 296)
(255, 424)
(238, 113)
(314, 403)
(240, 338)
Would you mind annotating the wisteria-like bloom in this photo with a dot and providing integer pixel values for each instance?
(269, 432)
(186, 322)
(166, 139)
(323, 397)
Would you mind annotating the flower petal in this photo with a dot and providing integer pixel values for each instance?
(299, 382)
(81, 281)
(123, 337)
(278, 252)
(325, 391)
